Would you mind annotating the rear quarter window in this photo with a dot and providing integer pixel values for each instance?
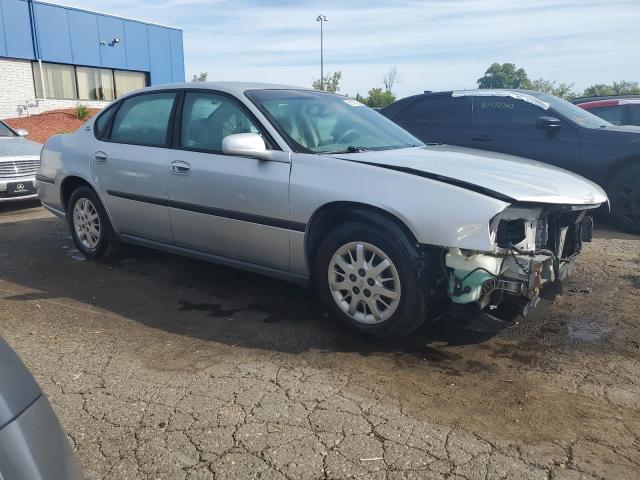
(438, 111)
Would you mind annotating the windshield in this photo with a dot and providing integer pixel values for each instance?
(320, 122)
(6, 131)
(573, 112)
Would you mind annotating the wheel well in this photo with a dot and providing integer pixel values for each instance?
(69, 184)
(620, 166)
(327, 217)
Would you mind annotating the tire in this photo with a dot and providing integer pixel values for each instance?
(89, 224)
(394, 318)
(624, 193)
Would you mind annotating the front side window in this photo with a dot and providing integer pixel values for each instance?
(572, 112)
(207, 118)
(320, 122)
(129, 81)
(439, 111)
(144, 119)
(6, 131)
(634, 114)
(504, 111)
(59, 81)
(95, 83)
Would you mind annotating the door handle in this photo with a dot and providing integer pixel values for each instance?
(180, 168)
(483, 138)
(100, 157)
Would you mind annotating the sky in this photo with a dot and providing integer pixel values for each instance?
(435, 44)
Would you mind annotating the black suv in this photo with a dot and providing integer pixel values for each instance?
(533, 125)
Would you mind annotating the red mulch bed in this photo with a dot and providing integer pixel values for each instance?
(46, 124)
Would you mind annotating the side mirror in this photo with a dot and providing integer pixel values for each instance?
(22, 132)
(246, 145)
(548, 123)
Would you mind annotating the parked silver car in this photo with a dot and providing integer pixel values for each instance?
(19, 162)
(33, 445)
(317, 188)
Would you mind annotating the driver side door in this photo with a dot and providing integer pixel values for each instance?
(229, 206)
(508, 125)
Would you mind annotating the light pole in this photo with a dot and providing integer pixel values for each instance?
(321, 18)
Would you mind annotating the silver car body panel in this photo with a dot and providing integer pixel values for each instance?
(257, 213)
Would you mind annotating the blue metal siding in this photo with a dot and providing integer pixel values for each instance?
(52, 28)
(159, 55)
(71, 35)
(136, 44)
(85, 42)
(112, 55)
(177, 56)
(15, 29)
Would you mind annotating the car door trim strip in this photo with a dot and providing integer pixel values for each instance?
(216, 212)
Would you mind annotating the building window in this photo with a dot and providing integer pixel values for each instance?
(59, 81)
(129, 81)
(68, 82)
(95, 83)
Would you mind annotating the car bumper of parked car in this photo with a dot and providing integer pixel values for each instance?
(18, 188)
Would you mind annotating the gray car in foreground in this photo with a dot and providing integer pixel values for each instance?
(19, 162)
(317, 188)
(33, 446)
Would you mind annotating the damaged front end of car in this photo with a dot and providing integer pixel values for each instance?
(533, 248)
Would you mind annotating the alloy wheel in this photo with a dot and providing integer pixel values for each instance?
(364, 282)
(86, 223)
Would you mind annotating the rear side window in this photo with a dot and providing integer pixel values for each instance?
(102, 122)
(438, 111)
(505, 112)
(612, 113)
(144, 119)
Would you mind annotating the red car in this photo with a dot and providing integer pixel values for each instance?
(624, 110)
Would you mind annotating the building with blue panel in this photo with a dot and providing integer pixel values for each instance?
(53, 56)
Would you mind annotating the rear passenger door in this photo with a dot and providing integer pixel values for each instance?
(506, 124)
(129, 165)
(439, 119)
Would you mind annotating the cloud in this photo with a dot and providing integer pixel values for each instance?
(436, 44)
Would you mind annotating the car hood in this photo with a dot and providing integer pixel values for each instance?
(19, 147)
(491, 173)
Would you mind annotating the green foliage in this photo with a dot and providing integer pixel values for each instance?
(331, 82)
(82, 112)
(562, 90)
(504, 76)
(622, 87)
(377, 98)
(201, 77)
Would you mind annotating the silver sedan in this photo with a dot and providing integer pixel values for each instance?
(19, 161)
(319, 189)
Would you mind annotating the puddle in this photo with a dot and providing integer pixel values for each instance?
(587, 332)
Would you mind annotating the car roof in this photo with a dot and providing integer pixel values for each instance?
(233, 88)
(580, 100)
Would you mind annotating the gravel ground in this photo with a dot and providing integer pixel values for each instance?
(162, 367)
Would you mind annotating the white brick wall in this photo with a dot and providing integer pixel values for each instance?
(16, 89)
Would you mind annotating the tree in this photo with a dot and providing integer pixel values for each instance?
(562, 90)
(202, 77)
(331, 82)
(377, 98)
(503, 76)
(626, 88)
(391, 78)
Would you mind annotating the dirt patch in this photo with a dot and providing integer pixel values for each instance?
(54, 122)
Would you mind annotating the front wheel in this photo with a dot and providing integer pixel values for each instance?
(624, 193)
(89, 224)
(367, 279)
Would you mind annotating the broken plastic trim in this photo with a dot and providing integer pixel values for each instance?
(525, 97)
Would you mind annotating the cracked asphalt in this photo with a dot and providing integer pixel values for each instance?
(161, 367)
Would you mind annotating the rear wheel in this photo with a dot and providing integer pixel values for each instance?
(89, 224)
(624, 193)
(367, 279)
